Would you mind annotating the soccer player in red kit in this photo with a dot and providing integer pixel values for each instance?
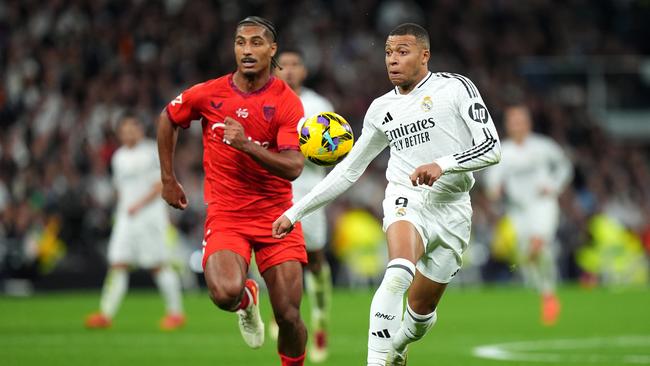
(251, 155)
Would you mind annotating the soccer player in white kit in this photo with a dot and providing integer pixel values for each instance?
(318, 278)
(141, 221)
(531, 176)
(438, 130)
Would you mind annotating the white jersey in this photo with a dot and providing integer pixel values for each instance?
(443, 120)
(534, 171)
(135, 171)
(312, 174)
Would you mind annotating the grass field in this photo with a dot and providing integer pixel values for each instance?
(598, 327)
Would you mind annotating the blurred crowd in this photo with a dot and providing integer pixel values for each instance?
(71, 68)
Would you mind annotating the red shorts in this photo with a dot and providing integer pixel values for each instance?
(243, 236)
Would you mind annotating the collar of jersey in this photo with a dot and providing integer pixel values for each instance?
(415, 90)
(245, 94)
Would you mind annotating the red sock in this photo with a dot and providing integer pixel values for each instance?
(292, 361)
(245, 300)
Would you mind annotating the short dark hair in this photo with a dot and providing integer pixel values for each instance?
(261, 22)
(295, 51)
(421, 35)
(128, 115)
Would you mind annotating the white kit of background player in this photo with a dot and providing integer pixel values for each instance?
(139, 232)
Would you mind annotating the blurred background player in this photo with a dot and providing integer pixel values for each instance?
(534, 171)
(139, 233)
(251, 155)
(438, 130)
(318, 276)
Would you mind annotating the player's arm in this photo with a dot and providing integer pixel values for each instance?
(494, 178)
(368, 146)
(285, 164)
(171, 190)
(178, 113)
(561, 166)
(486, 150)
(149, 197)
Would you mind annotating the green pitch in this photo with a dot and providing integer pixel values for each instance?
(597, 327)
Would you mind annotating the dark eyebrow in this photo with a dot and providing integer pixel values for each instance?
(255, 37)
(400, 45)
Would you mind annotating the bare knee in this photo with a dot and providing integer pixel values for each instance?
(288, 317)
(225, 294)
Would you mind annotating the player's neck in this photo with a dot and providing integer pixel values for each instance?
(249, 84)
(407, 88)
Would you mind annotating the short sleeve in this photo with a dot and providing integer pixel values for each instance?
(182, 110)
(288, 118)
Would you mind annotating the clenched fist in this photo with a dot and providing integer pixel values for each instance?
(426, 174)
(233, 133)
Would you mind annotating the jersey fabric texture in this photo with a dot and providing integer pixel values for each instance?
(316, 224)
(243, 197)
(443, 119)
(138, 239)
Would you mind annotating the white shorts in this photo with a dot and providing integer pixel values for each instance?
(139, 241)
(314, 229)
(445, 229)
(539, 219)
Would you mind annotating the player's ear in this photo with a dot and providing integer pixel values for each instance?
(274, 49)
(426, 55)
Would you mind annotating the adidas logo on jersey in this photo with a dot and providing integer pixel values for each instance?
(381, 334)
(387, 118)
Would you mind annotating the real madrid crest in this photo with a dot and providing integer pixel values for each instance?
(427, 104)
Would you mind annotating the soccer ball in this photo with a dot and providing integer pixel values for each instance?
(326, 138)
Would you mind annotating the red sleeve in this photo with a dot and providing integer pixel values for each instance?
(292, 112)
(182, 110)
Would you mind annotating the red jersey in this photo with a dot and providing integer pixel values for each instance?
(235, 184)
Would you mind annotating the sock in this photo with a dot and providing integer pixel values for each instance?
(246, 300)
(115, 286)
(319, 291)
(169, 286)
(414, 327)
(292, 361)
(387, 308)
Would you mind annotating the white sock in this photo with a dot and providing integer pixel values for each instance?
(414, 327)
(115, 286)
(319, 291)
(170, 288)
(387, 308)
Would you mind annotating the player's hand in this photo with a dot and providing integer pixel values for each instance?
(426, 174)
(281, 227)
(174, 195)
(233, 133)
(546, 191)
(134, 209)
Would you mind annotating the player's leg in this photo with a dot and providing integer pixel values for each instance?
(226, 255)
(284, 282)
(152, 253)
(225, 275)
(230, 290)
(169, 285)
(419, 317)
(318, 284)
(116, 283)
(405, 246)
(115, 286)
(546, 270)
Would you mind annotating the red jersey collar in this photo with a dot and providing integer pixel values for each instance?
(244, 94)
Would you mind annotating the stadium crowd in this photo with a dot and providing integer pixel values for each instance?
(71, 68)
